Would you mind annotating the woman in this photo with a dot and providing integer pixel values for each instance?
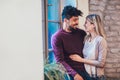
(95, 48)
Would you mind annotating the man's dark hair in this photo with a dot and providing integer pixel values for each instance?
(70, 11)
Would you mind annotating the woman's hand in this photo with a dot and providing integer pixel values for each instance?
(76, 57)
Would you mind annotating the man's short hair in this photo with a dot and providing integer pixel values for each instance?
(70, 11)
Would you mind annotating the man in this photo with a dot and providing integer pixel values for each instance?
(69, 40)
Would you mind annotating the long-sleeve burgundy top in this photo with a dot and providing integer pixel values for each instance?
(66, 43)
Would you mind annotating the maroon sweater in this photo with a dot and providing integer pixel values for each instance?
(64, 44)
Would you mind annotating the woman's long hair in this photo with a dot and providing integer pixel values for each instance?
(96, 20)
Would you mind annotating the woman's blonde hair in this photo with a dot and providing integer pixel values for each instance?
(96, 20)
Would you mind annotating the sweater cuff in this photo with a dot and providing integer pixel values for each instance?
(73, 73)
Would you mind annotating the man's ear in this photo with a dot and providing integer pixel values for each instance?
(65, 20)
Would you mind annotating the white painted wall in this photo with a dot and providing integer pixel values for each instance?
(21, 53)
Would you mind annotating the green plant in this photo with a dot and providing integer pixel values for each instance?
(55, 71)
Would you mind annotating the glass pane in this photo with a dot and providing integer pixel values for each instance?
(53, 15)
(70, 2)
(53, 10)
(51, 57)
(52, 28)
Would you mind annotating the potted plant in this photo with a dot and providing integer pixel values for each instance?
(55, 71)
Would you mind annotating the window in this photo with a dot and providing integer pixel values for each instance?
(53, 24)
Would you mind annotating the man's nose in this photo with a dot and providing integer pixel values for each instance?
(77, 23)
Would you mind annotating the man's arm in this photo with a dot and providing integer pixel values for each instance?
(57, 46)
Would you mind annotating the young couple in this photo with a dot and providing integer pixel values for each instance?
(83, 55)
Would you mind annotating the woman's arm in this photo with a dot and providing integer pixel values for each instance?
(102, 51)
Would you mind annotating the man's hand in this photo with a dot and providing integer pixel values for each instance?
(78, 77)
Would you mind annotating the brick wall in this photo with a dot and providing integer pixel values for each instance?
(109, 10)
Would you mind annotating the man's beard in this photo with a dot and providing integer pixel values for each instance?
(73, 30)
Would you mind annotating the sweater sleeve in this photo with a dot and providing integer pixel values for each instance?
(102, 52)
(57, 47)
